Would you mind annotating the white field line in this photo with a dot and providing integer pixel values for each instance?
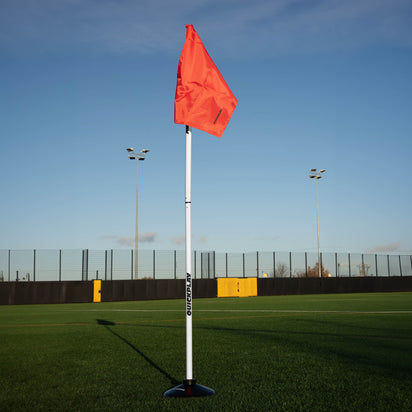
(384, 312)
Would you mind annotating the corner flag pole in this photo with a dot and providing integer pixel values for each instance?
(188, 252)
(189, 387)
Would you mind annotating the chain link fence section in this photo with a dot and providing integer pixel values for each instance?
(67, 265)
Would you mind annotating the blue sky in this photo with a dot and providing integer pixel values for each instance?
(320, 84)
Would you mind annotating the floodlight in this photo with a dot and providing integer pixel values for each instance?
(136, 156)
(315, 174)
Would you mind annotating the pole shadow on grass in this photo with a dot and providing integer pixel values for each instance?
(296, 339)
(107, 324)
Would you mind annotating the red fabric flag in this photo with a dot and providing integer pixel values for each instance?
(203, 99)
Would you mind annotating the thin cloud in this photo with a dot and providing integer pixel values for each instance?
(129, 241)
(240, 27)
(390, 247)
(148, 237)
(125, 241)
(178, 240)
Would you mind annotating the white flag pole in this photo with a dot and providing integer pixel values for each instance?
(188, 236)
(189, 387)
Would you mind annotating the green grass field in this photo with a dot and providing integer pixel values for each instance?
(283, 353)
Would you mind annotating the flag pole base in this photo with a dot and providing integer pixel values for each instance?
(189, 389)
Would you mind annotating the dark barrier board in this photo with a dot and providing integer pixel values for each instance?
(28, 293)
(20, 293)
(300, 286)
(204, 288)
(121, 290)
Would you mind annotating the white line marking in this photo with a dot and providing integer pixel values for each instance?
(254, 311)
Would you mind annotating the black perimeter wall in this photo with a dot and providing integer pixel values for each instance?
(18, 293)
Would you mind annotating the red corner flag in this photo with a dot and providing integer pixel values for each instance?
(203, 99)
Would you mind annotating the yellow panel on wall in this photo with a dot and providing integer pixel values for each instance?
(236, 287)
(226, 287)
(248, 287)
(97, 291)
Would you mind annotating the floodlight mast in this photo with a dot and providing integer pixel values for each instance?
(139, 156)
(314, 174)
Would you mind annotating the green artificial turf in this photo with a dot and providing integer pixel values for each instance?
(347, 352)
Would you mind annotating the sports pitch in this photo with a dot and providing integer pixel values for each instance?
(347, 352)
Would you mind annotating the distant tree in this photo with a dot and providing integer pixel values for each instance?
(363, 269)
(282, 270)
(314, 272)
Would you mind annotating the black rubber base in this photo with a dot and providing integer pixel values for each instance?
(189, 389)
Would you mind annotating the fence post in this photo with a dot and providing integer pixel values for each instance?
(60, 265)
(214, 264)
(243, 265)
(274, 264)
(111, 264)
(400, 265)
(376, 264)
(349, 265)
(17, 275)
(105, 265)
(336, 264)
(154, 264)
(201, 265)
(34, 265)
(85, 264)
(227, 266)
(257, 264)
(131, 264)
(290, 264)
(194, 258)
(174, 264)
(389, 266)
(82, 264)
(9, 267)
(321, 265)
